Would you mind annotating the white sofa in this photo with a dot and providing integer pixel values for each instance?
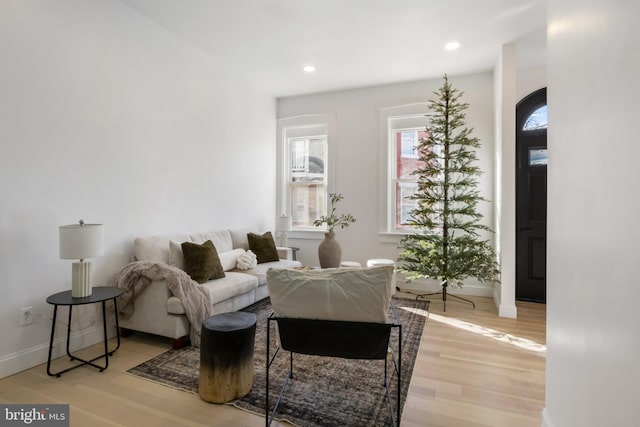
(158, 312)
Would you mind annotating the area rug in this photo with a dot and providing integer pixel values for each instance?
(325, 391)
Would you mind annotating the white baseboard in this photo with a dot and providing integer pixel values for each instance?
(546, 419)
(508, 310)
(34, 356)
(496, 294)
(504, 310)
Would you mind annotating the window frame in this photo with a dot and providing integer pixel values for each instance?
(305, 126)
(395, 203)
(416, 116)
(289, 173)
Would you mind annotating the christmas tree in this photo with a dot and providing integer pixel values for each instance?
(448, 246)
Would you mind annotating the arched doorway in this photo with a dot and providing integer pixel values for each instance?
(531, 197)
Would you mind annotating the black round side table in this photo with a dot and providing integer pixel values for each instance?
(226, 356)
(99, 294)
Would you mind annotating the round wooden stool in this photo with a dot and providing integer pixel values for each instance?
(350, 264)
(226, 356)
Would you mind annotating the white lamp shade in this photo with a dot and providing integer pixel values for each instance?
(81, 241)
(283, 223)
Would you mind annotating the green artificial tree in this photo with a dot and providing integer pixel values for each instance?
(448, 246)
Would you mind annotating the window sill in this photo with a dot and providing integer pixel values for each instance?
(307, 234)
(390, 237)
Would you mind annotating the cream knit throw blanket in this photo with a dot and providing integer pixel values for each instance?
(136, 276)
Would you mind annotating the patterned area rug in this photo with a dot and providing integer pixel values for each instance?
(324, 392)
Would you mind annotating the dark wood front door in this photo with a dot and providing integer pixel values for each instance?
(531, 197)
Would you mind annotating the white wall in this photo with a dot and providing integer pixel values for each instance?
(358, 163)
(513, 81)
(593, 331)
(505, 173)
(107, 117)
(530, 79)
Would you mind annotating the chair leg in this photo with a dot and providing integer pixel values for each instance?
(266, 391)
(290, 365)
(399, 372)
(397, 365)
(269, 416)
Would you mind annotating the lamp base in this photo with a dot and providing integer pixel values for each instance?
(283, 239)
(81, 279)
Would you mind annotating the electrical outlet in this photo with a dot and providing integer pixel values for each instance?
(26, 316)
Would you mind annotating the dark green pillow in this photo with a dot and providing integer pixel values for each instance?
(201, 262)
(263, 246)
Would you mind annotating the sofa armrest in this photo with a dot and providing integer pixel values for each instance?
(284, 253)
(151, 314)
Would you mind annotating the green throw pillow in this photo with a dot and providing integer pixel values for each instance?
(201, 262)
(263, 246)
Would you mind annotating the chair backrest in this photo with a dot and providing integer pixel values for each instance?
(337, 313)
(356, 295)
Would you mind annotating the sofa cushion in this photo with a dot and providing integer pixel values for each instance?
(260, 270)
(233, 284)
(357, 295)
(155, 248)
(239, 238)
(201, 262)
(221, 239)
(263, 246)
(230, 286)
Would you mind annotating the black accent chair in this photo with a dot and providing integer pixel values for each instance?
(336, 338)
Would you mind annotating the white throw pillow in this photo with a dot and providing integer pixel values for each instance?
(176, 256)
(247, 260)
(229, 259)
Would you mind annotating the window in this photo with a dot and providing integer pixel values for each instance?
(537, 120)
(409, 144)
(405, 205)
(303, 170)
(400, 129)
(307, 179)
(537, 156)
(404, 183)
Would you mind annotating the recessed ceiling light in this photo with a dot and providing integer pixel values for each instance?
(309, 68)
(452, 45)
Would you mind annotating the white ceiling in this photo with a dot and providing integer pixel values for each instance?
(352, 43)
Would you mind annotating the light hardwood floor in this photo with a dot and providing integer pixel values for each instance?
(473, 369)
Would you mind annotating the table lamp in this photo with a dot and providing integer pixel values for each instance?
(283, 225)
(81, 241)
